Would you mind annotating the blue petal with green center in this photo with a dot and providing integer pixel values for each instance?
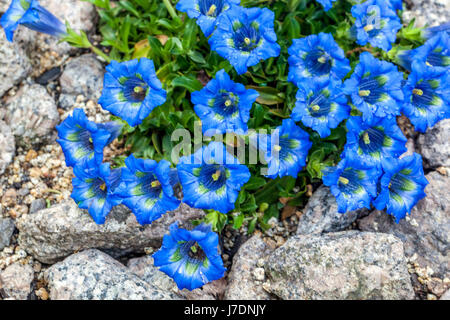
(33, 16)
(435, 53)
(131, 90)
(82, 140)
(327, 4)
(427, 96)
(401, 186)
(211, 178)
(321, 105)
(206, 11)
(146, 188)
(245, 36)
(317, 55)
(370, 142)
(375, 88)
(223, 105)
(377, 23)
(190, 258)
(285, 150)
(352, 184)
(94, 189)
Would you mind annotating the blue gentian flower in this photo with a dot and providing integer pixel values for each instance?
(432, 31)
(371, 141)
(223, 105)
(327, 4)
(30, 14)
(395, 4)
(82, 140)
(435, 53)
(131, 90)
(375, 87)
(211, 178)
(353, 185)
(401, 186)
(285, 150)
(376, 23)
(94, 189)
(244, 36)
(206, 11)
(146, 188)
(321, 105)
(317, 55)
(191, 258)
(427, 96)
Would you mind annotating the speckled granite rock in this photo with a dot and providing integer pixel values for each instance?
(428, 12)
(32, 115)
(446, 295)
(321, 214)
(7, 146)
(144, 268)
(427, 231)
(52, 234)
(343, 265)
(80, 14)
(93, 275)
(15, 281)
(434, 145)
(82, 76)
(242, 282)
(14, 64)
(6, 231)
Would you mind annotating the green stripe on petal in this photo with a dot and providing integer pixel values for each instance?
(388, 141)
(176, 256)
(191, 268)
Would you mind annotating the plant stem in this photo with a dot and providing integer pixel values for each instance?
(100, 53)
(171, 10)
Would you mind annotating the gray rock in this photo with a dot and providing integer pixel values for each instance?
(15, 281)
(54, 233)
(321, 214)
(340, 266)
(7, 146)
(434, 145)
(80, 14)
(428, 12)
(82, 76)
(242, 283)
(14, 64)
(32, 115)
(144, 268)
(6, 231)
(4, 4)
(37, 204)
(446, 295)
(93, 275)
(427, 231)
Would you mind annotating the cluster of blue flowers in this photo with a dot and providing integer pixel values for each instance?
(370, 171)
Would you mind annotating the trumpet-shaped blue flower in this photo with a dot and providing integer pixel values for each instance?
(94, 189)
(369, 142)
(427, 96)
(327, 4)
(191, 258)
(376, 23)
(285, 150)
(432, 31)
(317, 55)
(146, 188)
(131, 90)
(353, 185)
(30, 14)
(435, 53)
(244, 36)
(224, 105)
(375, 87)
(211, 178)
(82, 140)
(206, 11)
(401, 186)
(396, 4)
(321, 105)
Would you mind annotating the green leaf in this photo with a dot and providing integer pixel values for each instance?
(267, 95)
(187, 83)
